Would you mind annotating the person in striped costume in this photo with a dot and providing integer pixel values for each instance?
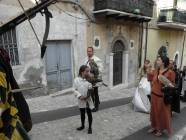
(11, 128)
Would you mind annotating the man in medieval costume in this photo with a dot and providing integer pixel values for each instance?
(96, 69)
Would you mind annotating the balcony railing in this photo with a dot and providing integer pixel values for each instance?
(138, 7)
(172, 15)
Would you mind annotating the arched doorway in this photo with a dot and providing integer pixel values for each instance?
(117, 50)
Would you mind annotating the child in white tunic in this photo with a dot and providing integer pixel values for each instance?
(81, 88)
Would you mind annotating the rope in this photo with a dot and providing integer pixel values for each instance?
(69, 13)
(30, 23)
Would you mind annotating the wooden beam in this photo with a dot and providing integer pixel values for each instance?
(122, 17)
(22, 17)
(113, 15)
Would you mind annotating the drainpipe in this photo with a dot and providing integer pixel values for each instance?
(182, 51)
(141, 44)
(146, 41)
(175, 3)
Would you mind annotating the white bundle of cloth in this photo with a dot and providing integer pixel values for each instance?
(140, 100)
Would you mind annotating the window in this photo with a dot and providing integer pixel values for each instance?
(165, 3)
(9, 43)
(181, 4)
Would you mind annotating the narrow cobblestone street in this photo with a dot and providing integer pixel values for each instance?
(115, 120)
(110, 124)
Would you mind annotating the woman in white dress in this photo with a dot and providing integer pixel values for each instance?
(143, 82)
(81, 91)
(141, 98)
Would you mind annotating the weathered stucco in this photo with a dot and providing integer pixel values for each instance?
(173, 39)
(108, 30)
(63, 27)
(81, 33)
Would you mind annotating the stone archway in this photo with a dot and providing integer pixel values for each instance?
(118, 50)
(118, 63)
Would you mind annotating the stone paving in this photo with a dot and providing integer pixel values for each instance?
(110, 124)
